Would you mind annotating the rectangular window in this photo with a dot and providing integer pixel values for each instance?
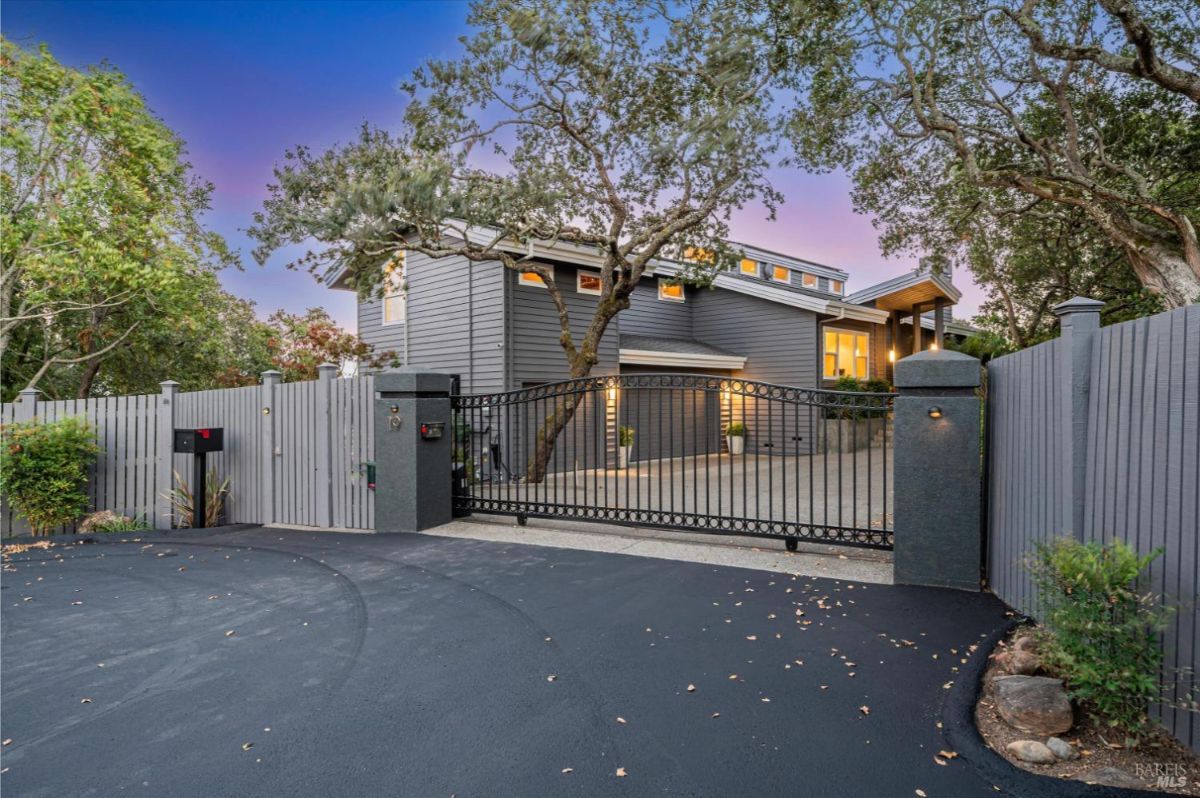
(670, 292)
(749, 267)
(846, 354)
(780, 274)
(395, 305)
(809, 280)
(587, 283)
(835, 286)
(533, 280)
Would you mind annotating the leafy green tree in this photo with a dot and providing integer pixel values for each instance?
(631, 129)
(1028, 116)
(299, 343)
(101, 222)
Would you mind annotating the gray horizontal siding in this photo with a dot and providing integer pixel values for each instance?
(780, 346)
(649, 315)
(536, 353)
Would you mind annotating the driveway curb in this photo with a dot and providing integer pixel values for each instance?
(963, 737)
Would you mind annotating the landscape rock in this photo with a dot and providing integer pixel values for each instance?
(1023, 662)
(1062, 749)
(1031, 751)
(1025, 643)
(1111, 777)
(1034, 704)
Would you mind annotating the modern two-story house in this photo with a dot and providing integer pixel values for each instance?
(776, 318)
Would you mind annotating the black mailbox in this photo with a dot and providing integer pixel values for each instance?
(199, 441)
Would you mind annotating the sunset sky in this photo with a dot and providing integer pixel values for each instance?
(242, 82)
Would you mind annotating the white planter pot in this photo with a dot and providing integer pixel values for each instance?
(623, 456)
(736, 443)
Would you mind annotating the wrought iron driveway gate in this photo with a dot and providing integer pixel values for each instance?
(682, 451)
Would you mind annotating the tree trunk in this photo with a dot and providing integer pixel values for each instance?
(88, 378)
(547, 435)
(1166, 273)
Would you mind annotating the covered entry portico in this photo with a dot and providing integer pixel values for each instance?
(918, 312)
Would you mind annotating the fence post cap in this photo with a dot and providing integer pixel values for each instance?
(327, 371)
(937, 368)
(412, 379)
(27, 392)
(168, 385)
(271, 375)
(1079, 304)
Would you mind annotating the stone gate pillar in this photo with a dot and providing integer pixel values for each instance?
(937, 471)
(414, 441)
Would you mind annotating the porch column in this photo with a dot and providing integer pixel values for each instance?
(937, 484)
(916, 325)
(939, 328)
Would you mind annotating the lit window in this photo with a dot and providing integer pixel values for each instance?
(780, 274)
(670, 292)
(845, 354)
(809, 280)
(587, 283)
(394, 290)
(698, 254)
(835, 286)
(749, 267)
(534, 280)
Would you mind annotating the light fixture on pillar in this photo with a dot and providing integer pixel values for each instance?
(891, 355)
(933, 347)
(612, 394)
(935, 412)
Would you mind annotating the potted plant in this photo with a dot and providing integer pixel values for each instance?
(735, 437)
(625, 437)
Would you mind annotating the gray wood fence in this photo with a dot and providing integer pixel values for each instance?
(1096, 434)
(294, 453)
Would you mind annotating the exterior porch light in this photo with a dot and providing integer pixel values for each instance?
(612, 394)
(891, 355)
(933, 347)
(935, 412)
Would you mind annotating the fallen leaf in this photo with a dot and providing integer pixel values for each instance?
(940, 761)
(76, 603)
(621, 773)
(691, 688)
(85, 700)
(733, 676)
(621, 720)
(229, 633)
(247, 746)
(7, 741)
(568, 770)
(766, 700)
(920, 793)
(947, 754)
(751, 637)
(551, 677)
(716, 714)
(866, 710)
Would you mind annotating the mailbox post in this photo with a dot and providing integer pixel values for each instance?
(198, 443)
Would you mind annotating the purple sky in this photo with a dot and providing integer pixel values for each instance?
(243, 81)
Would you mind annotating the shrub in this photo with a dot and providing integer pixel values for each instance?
(1099, 631)
(736, 429)
(625, 435)
(183, 502)
(109, 521)
(43, 470)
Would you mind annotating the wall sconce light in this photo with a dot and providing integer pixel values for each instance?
(891, 355)
(935, 412)
(612, 394)
(933, 347)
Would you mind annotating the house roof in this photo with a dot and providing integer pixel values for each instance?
(648, 350)
(799, 264)
(901, 293)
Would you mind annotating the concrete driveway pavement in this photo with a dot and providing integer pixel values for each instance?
(272, 662)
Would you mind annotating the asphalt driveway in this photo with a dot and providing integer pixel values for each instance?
(271, 662)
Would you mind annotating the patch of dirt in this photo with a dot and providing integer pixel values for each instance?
(1161, 755)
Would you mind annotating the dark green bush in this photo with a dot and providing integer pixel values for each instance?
(864, 407)
(1100, 632)
(43, 470)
